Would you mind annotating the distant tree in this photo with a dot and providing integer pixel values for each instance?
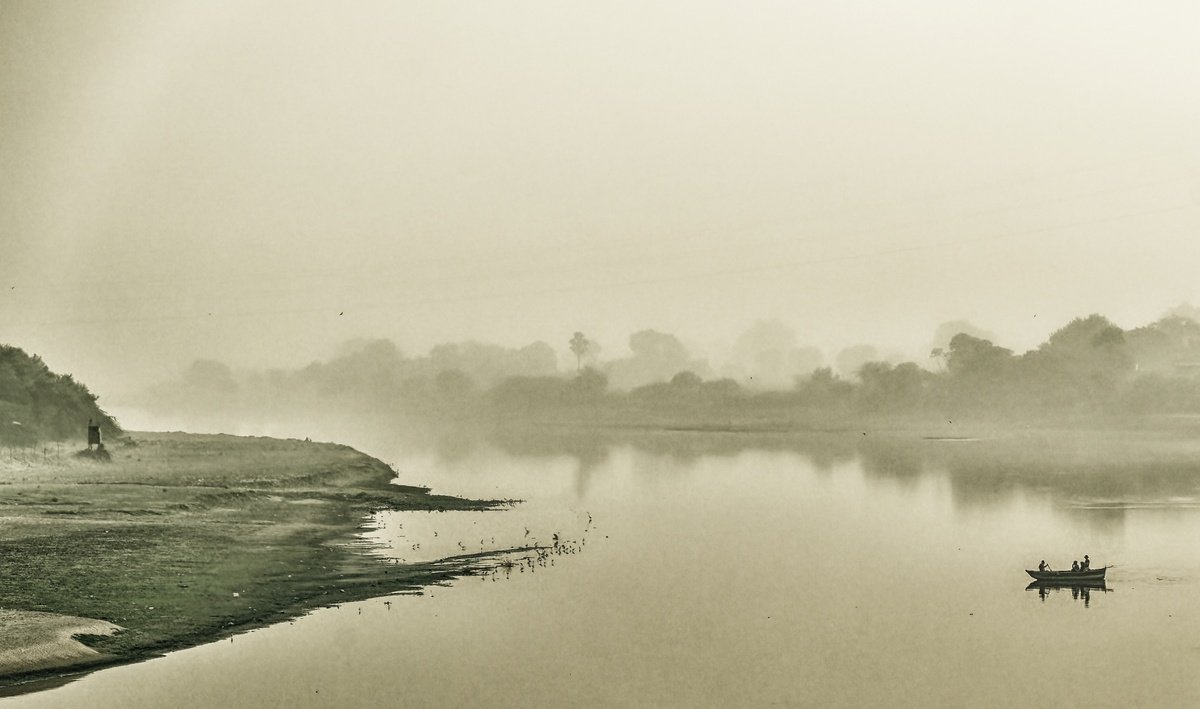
(768, 356)
(1082, 365)
(969, 356)
(821, 376)
(658, 348)
(1183, 310)
(686, 380)
(1165, 345)
(887, 387)
(979, 376)
(939, 354)
(536, 359)
(487, 363)
(581, 347)
(657, 356)
(947, 330)
(823, 389)
(722, 389)
(1084, 335)
(851, 359)
(362, 368)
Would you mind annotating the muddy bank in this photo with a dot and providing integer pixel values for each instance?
(182, 539)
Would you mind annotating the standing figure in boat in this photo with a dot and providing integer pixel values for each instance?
(1087, 563)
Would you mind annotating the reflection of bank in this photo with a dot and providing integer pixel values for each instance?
(1080, 590)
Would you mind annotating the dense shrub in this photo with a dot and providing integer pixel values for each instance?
(38, 405)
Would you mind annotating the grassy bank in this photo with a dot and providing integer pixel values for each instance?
(182, 539)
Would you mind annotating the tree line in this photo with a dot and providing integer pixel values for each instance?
(1088, 367)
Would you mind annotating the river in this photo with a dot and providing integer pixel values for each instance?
(698, 569)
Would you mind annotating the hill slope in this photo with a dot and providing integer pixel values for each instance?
(38, 405)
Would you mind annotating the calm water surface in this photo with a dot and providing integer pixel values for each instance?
(747, 573)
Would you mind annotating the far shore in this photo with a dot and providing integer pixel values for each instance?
(183, 539)
(1093, 438)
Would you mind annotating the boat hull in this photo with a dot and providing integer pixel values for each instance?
(1069, 577)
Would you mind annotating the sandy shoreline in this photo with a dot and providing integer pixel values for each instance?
(184, 539)
(33, 641)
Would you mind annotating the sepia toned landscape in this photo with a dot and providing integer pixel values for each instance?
(530, 354)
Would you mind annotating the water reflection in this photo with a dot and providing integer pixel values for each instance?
(1077, 468)
(1090, 479)
(1080, 590)
(726, 569)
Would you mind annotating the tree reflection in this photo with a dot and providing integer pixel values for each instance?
(1094, 476)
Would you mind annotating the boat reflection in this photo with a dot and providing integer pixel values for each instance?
(1080, 590)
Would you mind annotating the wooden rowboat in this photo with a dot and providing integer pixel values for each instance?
(1069, 577)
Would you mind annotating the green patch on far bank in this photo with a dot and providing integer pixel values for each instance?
(182, 539)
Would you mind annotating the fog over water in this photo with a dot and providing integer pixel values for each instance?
(255, 184)
(819, 322)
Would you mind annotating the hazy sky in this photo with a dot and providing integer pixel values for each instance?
(257, 182)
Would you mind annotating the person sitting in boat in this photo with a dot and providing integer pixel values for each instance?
(1087, 563)
(1043, 566)
(1075, 566)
